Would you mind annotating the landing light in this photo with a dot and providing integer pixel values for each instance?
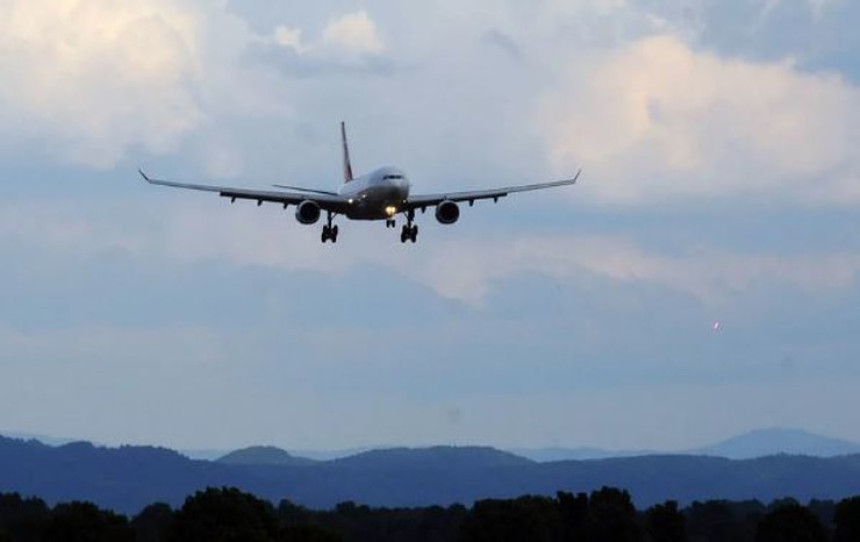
(391, 210)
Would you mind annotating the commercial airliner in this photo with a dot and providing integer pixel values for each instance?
(380, 195)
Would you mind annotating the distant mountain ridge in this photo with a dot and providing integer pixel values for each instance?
(435, 457)
(130, 477)
(263, 455)
(751, 445)
(765, 442)
(558, 453)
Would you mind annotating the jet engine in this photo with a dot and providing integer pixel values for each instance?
(447, 212)
(308, 212)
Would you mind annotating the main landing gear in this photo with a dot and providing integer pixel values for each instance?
(329, 232)
(410, 230)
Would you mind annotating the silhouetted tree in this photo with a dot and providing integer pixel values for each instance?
(790, 523)
(607, 515)
(825, 511)
(783, 502)
(224, 515)
(22, 520)
(723, 521)
(612, 517)
(573, 510)
(85, 522)
(847, 520)
(307, 533)
(153, 523)
(664, 523)
(527, 518)
(298, 524)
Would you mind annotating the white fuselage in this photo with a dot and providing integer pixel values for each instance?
(379, 195)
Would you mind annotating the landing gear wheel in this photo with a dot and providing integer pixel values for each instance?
(329, 232)
(409, 233)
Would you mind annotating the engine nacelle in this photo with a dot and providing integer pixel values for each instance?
(308, 212)
(447, 212)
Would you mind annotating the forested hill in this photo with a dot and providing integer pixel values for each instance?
(263, 455)
(128, 478)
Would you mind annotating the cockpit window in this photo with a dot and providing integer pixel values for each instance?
(392, 177)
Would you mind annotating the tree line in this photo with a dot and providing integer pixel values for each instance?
(605, 515)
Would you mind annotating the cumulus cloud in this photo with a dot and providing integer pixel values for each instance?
(287, 36)
(96, 77)
(659, 120)
(353, 35)
(348, 44)
(355, 32)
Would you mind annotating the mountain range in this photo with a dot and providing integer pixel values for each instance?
(758, 443)
(130, 477)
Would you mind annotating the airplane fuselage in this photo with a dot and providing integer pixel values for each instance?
(379, 195)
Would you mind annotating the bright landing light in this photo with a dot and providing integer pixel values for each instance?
(391, 210)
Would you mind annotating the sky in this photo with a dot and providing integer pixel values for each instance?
(721, 185)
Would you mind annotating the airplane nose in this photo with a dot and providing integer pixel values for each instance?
(403, 186)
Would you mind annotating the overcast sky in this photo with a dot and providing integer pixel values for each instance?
(721, 184)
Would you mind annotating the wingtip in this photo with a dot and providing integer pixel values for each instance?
(143, 175)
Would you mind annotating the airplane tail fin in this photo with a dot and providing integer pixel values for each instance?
(347, 165)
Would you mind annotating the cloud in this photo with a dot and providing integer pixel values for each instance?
(461, 266)
(353, 35)
(713, 277)
(658, 120)
(287, 36)
(96, 77)
(469, 268)
(349, 44)
(354, 32)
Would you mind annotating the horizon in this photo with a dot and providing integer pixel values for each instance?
(55, 441)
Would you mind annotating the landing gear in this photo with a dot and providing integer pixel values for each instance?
(329, 232)
(409, 233)
(410, 230)
(390, 223)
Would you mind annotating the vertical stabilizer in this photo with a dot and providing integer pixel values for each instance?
(347, 165)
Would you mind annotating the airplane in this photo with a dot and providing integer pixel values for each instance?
(380, 195)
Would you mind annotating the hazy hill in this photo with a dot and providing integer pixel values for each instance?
(766, 442)
(263, 455)
(545, 455)
(759, 443)
(128, 478)
(434, 458)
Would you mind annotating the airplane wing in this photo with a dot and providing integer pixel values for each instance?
(429, 200)
(327, 201)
